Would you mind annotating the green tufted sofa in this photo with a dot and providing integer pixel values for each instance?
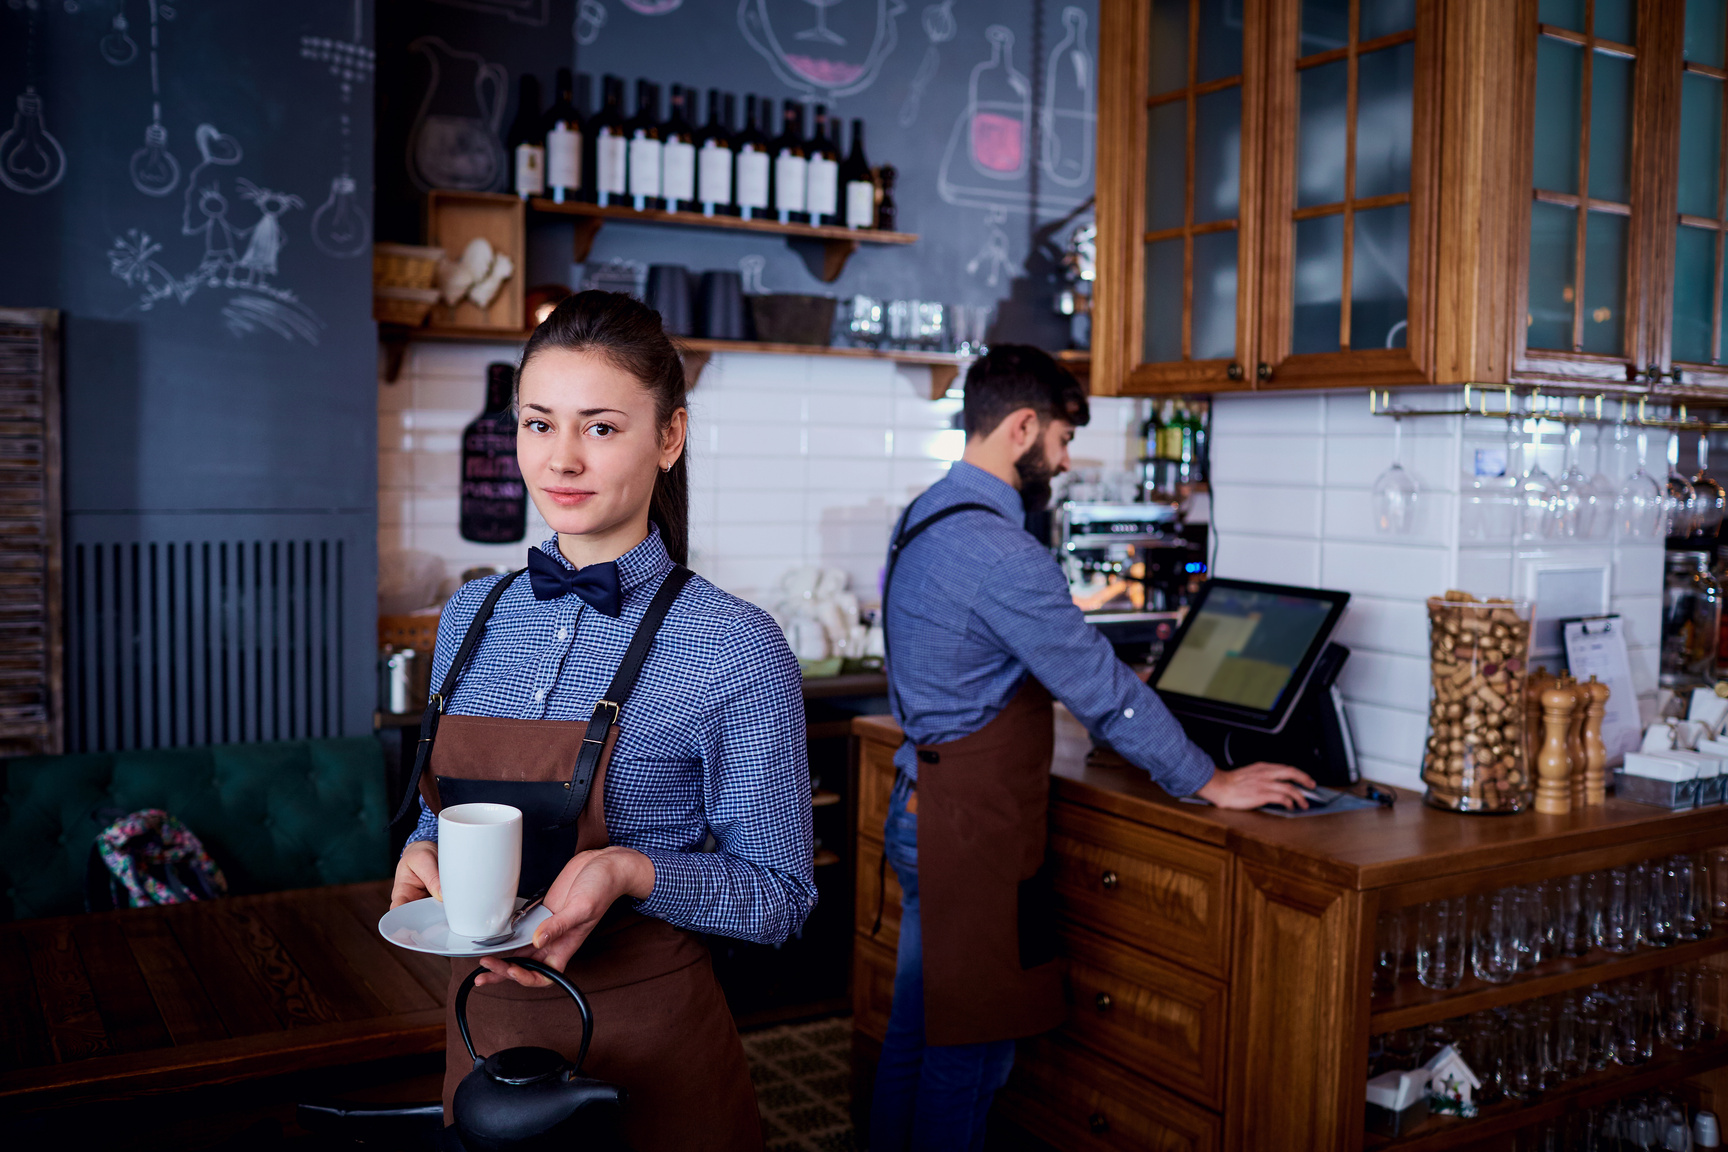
(289, 814)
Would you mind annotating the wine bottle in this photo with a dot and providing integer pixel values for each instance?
(791, 164)
(525, 141)
(855, 182)
(494, 502)
(714, 156)
(564, 142)
(610, 144)
(822, 181)
(678, 154)
(752, 161)
(887, 213)
(643, 132)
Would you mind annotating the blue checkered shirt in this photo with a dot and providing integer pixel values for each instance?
(977, 606)
(710, 742)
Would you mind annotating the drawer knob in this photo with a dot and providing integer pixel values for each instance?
(1109, 879)
(1099, 1123)
(1104, 1002)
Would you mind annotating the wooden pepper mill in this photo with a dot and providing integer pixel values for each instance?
(1595, 751)
(1553, 788)
(1535, 684)
(1575, 751)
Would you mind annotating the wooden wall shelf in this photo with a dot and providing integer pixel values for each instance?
(825, 248)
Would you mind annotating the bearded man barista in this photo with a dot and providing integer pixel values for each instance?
(982, 633)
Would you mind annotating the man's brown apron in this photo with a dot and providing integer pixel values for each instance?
(985, 901)
(662, 1028)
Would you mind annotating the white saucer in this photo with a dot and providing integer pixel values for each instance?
(419, 926)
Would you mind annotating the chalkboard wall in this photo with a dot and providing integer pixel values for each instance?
(990, 219)
(189, 181)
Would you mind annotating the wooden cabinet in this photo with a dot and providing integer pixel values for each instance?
(1219, 965)
(1402, 192)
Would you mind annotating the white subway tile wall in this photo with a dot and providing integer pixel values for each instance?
(1292, 484)
(793, 460)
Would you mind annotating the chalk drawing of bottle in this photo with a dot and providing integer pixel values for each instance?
(455, 142)
(31, 160)
(998, 111)
(1067, 120)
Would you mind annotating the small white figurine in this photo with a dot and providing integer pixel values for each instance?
(1451, 1084)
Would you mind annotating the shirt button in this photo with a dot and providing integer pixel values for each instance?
(540, 694)
(563, 633)
(1128, 713)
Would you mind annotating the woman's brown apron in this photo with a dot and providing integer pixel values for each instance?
(986, 904)
(662, 1028)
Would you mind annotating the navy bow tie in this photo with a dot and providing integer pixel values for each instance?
(597, 584)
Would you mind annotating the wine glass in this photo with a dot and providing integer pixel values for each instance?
(1712, 497)
(1602, 513)
(1573, 497)
(1491, 499)
(1395, 491)
(1535, 495)
(1680, 507)
(1639, 502)
(821, 32)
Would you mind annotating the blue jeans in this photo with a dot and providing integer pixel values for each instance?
(929, 1098)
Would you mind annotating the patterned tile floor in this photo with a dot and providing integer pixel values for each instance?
(803, 1077)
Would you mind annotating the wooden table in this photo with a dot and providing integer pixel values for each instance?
(155, 1000)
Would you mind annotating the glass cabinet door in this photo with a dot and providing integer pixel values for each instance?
(1699, 214)
(1582, 305)
(1195, 254)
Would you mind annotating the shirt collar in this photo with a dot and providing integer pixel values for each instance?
(648, 561)
(973, 482)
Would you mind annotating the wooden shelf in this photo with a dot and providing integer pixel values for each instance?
(825, 248)
(821, 798)
(1412, 1004)
(1587, 1091)
(825, 857)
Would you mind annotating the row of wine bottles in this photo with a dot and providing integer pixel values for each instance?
(645, 162)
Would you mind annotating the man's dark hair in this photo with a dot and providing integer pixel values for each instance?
(1010, 377)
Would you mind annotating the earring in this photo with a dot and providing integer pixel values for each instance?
(667, 468)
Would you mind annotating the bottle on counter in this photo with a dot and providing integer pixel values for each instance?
(791, 165)
(564, 143)
(494, 501)
(646, 148)
(714, 156)
(887, 212)
(678, 154)
(753, 168)
(822, 180)
(525, 141)
(611, 145)
(856, 185)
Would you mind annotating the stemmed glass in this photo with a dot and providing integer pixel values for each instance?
(1395, 490)
(1712, 497)
(1639, 502)
(1574, 498)
(1535, 496)
(1602, 517)
(1490, 502)
(1680, 508)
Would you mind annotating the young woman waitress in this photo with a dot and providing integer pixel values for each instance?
(633, 711)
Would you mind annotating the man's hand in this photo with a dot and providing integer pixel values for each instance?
(416, 874)
(1257, 784)
(584, 890)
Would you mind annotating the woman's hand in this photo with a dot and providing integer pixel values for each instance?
(584, 890)
(417, 874)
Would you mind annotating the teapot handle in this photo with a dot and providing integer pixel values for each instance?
(545, 970)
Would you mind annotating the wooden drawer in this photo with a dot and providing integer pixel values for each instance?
(1074, 1100)
(1151, 889)
(875, 785)
(870, 869)
(872, 987)
(1147, 1014)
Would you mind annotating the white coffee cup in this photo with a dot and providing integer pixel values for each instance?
(479, 863)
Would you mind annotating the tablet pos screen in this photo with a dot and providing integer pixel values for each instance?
(1245, 650)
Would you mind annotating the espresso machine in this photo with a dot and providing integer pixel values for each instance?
(1131, 568)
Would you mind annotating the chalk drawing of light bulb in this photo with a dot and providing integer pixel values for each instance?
(118, 47)
(155, 172)
(31, 160)
(340, 227)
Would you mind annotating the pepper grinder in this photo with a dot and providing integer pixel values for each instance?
(1595, 751)
(1554, 789)
(1575, 750)
(1535, 684)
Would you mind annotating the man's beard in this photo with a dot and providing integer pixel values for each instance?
(1035, 474)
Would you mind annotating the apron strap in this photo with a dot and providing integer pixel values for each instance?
(617, 693)
(904, 537)
(435, 706)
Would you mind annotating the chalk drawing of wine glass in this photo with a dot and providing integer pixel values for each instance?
(118, 47)
(31, 160)
(939, 28)
(1068, 120)
(838, 56)
(454, 142)
(268, 239)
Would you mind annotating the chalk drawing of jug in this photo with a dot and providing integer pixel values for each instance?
(454, 142)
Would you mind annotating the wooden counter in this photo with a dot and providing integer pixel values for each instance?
(1219, 964)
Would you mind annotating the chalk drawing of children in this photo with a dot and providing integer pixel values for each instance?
(219, 236)
(268, 238)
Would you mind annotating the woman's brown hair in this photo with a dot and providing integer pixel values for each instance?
(629, 334)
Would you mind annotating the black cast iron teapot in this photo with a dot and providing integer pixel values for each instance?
(523, 1099)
